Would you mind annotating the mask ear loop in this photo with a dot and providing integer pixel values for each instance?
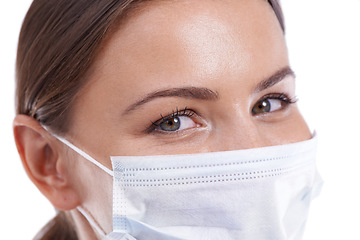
(81, 153)
(92, 221)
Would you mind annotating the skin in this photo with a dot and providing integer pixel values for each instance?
(229, 47)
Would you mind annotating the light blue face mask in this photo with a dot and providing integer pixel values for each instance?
(261, 193)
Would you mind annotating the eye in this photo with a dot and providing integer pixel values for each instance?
(271, 103)
(176, 123)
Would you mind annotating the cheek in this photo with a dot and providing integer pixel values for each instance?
(95, 187)
(290, 130)
(102, 199)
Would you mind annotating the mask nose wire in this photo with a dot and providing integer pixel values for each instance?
(81, 153)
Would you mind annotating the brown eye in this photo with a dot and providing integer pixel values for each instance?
(267, 105)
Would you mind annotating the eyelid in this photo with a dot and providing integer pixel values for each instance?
(281, 96)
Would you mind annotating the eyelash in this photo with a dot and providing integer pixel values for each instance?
(189, 113)
(280, 96)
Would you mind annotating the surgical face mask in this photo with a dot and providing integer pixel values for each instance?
(261, 193)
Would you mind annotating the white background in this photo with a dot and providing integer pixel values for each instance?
(323, 39)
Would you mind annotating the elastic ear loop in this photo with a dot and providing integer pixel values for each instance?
(85, 155)
(81, 152)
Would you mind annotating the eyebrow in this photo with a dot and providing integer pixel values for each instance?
(186, 92)
(201, 93)
(274, 79)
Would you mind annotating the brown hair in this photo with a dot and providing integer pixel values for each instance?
(58, 42)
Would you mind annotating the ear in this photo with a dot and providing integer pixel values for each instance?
(43, 158)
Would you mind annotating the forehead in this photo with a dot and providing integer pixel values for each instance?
(167, 43)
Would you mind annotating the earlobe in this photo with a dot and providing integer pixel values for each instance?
(43, 159)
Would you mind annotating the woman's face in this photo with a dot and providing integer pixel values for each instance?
(185, 77)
